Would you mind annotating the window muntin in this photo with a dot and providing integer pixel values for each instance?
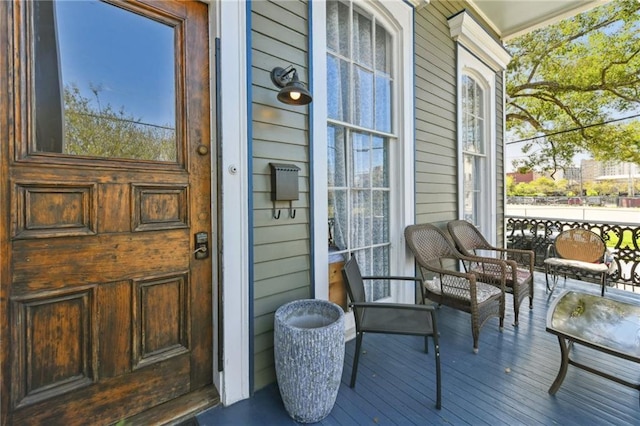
(473, 176)
(473, 118)
(359, 139)
(104, 82)
(473, 129)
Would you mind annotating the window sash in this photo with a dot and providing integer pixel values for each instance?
(473, 139)
(359, 125)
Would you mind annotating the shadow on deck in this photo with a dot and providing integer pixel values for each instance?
(506, 383)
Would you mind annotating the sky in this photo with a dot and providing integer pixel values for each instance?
(127, 57)
(513, 148)
(513, 151)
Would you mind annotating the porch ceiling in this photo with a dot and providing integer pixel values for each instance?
(511, 18)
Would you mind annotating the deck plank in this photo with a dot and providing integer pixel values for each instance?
(506, 383)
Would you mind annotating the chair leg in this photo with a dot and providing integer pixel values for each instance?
(438, 375)
(356, 357)
(516, 308)
(551, 278)
(475, 332)
(426, 344)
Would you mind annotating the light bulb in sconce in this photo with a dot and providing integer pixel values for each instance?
(294, 95)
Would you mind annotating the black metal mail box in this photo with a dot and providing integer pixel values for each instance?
(284, 181)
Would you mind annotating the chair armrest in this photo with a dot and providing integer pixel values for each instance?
(442, 272)
(519, 251)
(426, 307)
(513, 265)
(551, 251)
(522, 257)
(390, 277)
(417, 280)
(501, 264)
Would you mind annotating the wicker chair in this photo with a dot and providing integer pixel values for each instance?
(519, 263)
(579, 253)
(436, 258)
(390, 318)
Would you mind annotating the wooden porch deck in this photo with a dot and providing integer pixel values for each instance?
(506, 383)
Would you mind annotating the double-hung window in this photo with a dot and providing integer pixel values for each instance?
(476, 125)
(474, 133)
(363, 138)
(480, 59)
(359, 138)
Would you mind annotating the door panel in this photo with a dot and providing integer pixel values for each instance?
(107, 309)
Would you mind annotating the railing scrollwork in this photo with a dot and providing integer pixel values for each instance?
(622, 239)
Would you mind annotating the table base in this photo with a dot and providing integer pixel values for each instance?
(565, 348)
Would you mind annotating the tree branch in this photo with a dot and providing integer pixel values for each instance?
(564, 108)
(525, 116)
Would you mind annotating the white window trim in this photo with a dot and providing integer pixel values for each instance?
(471, 66)
(466, 31)
(401, 14)
(479, 55)
(228, 22)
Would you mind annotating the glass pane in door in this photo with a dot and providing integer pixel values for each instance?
(114, 95)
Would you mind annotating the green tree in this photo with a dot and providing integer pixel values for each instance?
(577, 74)
(101, 131)
(524, 188)
(543, 185)
(591, 188)
(606, 187)
(511, 185)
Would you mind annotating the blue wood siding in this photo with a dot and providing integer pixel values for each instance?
(281, 248)
(436, 126)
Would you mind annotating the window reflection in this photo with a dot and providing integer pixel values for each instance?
(104, 82)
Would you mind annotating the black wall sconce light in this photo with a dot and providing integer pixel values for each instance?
(292, 90)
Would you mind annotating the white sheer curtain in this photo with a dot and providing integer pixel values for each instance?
(363, 70)
(359, 98)
(473, 144)
(337, 175)
(338, 109)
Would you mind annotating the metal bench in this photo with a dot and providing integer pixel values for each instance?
(579, 253)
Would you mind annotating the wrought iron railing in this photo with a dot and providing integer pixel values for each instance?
(623, 239)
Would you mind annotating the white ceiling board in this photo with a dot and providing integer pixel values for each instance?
(510, 18)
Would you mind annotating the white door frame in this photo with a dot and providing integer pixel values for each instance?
(228, 22)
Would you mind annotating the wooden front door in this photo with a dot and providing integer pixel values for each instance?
(105, 256)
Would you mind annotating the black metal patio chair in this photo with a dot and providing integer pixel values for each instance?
(579, 253)
(390, 318)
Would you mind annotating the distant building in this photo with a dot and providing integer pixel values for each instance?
(599, 170)
(626, 174)
(617, 171)
(521, 177)
(590, 169)
(573, 175)
(558, 174)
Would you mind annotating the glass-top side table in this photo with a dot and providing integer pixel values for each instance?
(607, 325)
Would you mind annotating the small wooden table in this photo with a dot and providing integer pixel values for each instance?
(604, 324)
